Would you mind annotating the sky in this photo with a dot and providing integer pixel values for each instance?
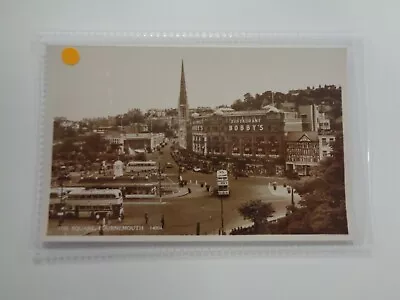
(110, 80)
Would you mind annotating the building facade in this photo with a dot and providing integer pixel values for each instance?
(325, 141)
(302, 152)
(116, 139)
(309, 115)
(143, 141)
(293, 140)
(246, 134)
(129, 142)
(183, 112)
(324, 123)
(313, 119)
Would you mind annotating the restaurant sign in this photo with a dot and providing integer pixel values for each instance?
(245, 124)
(246, 127)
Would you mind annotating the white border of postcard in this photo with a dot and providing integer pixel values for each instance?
(199, 40)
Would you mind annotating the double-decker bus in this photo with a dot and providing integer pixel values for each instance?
(222, 183)
(141, 166)
(92, 202)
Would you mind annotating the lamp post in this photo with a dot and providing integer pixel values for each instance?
(292, 197)
(62, 202)
(61, 179)
(159, 180)
(179, 173)
(222, 216)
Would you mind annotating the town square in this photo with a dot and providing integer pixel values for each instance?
(269, 162)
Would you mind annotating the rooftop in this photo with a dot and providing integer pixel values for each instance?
(311, 136)
(271, 108)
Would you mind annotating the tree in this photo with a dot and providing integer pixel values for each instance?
(140, 157)
(248, 97)
(95, 143)
(323, 207)
(121, 120)
(238, 105)
(135, 116)
(158, 126)
(61, 132)
(113, 148)
(172, 112)
(258, 212)
(327, 95)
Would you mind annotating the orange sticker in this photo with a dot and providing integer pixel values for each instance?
(70, 56)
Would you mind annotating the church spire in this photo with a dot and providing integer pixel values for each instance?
(183, 112)
(182, 94)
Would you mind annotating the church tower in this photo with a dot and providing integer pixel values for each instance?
(183, 111)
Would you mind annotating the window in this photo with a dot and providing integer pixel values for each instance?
(324, 153)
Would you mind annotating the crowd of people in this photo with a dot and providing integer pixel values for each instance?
(190, 160)
(242, 230)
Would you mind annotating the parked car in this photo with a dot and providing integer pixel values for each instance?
(169, 165)
(196, 169)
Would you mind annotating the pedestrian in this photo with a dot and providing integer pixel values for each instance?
(146, 218)
(121, 213)
(162, 222)
(101, 231)
(62, 215)
(189, 190)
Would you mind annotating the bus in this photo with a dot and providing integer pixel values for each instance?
(141, 166)
(93, 202)
(222, 175)
(222, 183)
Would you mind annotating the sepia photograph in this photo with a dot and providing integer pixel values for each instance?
(195, 141)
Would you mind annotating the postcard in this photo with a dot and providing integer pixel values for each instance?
(212, 143)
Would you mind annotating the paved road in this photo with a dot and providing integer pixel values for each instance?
(181, 214)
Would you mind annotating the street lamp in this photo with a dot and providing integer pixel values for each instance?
(61, 179)
(159, 176)
(222, 215)
(179, 172)
(159, 181)
(292, 197)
